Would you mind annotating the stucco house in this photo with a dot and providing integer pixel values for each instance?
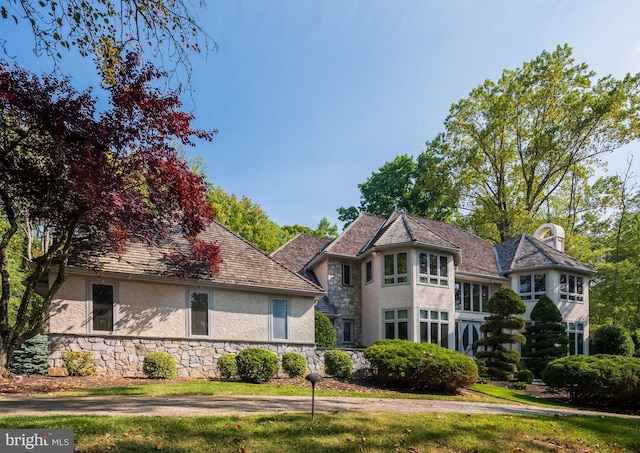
(413, 278)
(120, 306)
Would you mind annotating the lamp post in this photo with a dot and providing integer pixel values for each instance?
(313, 378)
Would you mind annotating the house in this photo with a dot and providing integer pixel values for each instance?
(423, 280)
(121, 306)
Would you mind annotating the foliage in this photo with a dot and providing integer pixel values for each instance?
(420, 366)
(294, 365)
(547, 338)
(256, 365)
(520, 385)
(323, 230)
(227, 366)
(325, 333)
(79, 363)
(613, 340)
(503, 305)
(597, 379)
(32, 357)
(80, 176)
(337, 363)
(483, 371)
(159, 365)
(525, 376)
(635, 337)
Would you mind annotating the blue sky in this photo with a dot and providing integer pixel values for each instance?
(311, 97)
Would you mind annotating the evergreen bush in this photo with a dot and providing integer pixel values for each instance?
(525, 376)
(610, 339)
(159, 365)
(294, 365)
(79, 363)
(420, 366)
(227, 366)
(256, 365)
(32, 357)
(324, 331)
(546, 339)
(337, 363)
(503, 306)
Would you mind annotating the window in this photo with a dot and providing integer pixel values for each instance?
(198, 308)
(531, 287)
(369, 271)
(575, 331)
(102, 307)
(434, 327)
(395, 268)
(347, 331)
(471, 296)
(280, 322)
(432, 269)
(396, 324)
(346, 274)
(571, 288)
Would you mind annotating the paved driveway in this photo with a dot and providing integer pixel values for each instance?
(184, 406)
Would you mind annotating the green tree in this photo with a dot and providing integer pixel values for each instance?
(501, 361)
(514, 141)
(323, 230)
(614, 340)
(547, 338)
(325, 333)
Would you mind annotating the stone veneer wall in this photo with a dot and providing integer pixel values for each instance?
(123, 356)
(346, 299)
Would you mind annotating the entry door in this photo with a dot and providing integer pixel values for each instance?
(467, 333)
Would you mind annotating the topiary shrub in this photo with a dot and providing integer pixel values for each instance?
(79, 363)
(256, 365)
(32, 357)
(337, 363)
(610, 339)
(324, 331)
(294, 365)
(159, 365)
(597, 379)
(547, 338)
(519, 385)
(227, 366)
(420, 366)
(525, 376)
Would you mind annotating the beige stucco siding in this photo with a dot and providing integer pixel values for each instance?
(151, 309)
(69, 308)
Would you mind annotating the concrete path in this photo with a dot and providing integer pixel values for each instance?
(184, 406)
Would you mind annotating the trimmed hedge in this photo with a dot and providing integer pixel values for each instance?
(338, 364)
(420, 366)
(228, 366)
(294, 365)
(159, 365)
(597, 379)
(325, 333)
(79, 363)
(32, 357)
(256, 365)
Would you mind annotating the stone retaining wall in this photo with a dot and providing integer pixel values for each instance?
(123, 356)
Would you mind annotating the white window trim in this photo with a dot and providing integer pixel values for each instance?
(288, 319)
(483, 302)
(573, 347)
(395, 321)
(438, 321)
(439, 279)
(533, 295)
(351, 330)
(116, 307)
(209, 293)
(572, 297)
(395, 276)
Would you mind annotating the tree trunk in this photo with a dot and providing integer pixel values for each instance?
(4, 363)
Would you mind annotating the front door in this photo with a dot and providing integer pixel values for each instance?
(467, 333)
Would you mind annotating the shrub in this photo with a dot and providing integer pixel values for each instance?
(227, 366)
(525, 376)
(610, 339)
(337, 363)
(324, 331)
(256, 365)
(597, 379)
(547, 338)
(79, 363)
(420, 366)
(519, 385)
(32, 357)
(159, 365)
(294, 365)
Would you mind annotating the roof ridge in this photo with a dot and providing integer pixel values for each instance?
(435, 233)
(537, 243)
(405, 221)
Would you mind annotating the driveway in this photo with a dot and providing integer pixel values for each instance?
(198, 405)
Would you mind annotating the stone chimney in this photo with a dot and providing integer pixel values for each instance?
(555, 239)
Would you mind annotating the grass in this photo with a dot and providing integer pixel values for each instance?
(510, 395)
(345, 432)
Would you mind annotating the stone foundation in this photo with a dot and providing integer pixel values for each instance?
(123, 356)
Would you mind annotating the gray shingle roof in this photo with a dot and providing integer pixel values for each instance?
(298, 251)
(356, 235)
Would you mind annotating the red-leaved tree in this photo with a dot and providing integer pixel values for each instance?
(76, 173)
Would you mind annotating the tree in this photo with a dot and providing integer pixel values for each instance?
(325, 333)
(546, 339)
(424, 187)
(515, 141)
(503, 306)
(323, 230)
(610, 339)
(166, 30)
(110, 177)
